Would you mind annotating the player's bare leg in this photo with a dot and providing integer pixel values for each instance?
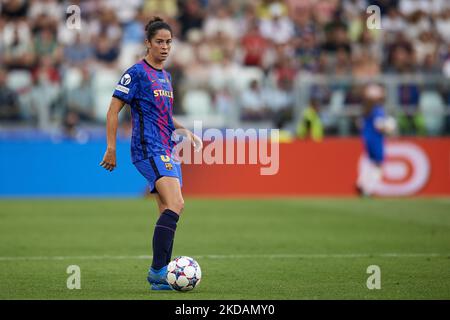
(169, 191)
(161, 205)
(170, 204)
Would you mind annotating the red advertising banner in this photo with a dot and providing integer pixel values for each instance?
(413, 166)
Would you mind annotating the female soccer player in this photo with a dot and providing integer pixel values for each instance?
(147, 88)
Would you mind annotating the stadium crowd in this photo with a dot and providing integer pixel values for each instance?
(54, 75)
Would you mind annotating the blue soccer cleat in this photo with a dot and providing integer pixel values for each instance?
(157, 276)
(160, 287)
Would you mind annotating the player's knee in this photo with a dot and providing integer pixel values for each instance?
(177, 205)
(162, 208)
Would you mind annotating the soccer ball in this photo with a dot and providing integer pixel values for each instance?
(183, 273)
(390, 125)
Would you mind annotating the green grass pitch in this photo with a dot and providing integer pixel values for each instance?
(247, 248)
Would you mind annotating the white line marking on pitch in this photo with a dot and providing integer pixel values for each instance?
(242, 256)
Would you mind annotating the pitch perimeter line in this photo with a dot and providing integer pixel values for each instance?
(241, 256)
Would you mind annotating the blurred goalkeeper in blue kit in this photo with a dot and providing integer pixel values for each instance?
(375, 125)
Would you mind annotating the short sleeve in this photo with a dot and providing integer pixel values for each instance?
(128, 85)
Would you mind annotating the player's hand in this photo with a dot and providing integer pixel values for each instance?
(109, 160)
(196, 142)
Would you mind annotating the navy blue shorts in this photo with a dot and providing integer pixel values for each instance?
(156, 167)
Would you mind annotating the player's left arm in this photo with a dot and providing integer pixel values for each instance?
(195, 140)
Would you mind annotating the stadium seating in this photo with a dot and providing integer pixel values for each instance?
(432, 107)
(103, 80)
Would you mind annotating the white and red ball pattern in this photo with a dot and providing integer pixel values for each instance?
(183, 273)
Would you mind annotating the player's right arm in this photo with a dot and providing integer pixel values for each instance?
(112, 123)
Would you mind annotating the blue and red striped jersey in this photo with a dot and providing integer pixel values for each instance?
(149, 93)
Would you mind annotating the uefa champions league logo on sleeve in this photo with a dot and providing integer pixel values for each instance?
(126, 79)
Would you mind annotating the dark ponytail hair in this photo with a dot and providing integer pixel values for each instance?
(154, 25)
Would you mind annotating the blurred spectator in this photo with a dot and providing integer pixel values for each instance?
(17, 46)
(310, 125)
(224, 102)
(71, 120)
(15, 9)
(220, 22)
(106, 52)
(126, 11)
(353, 8)
(105, 27)
(223, 73)
(49, 8)
(336, 37)
(424, 45)
(277, 27)
(446, 64)
(324, 11)
(369, 41)
(265, 8)
(80, 53)
(253, 106)
(283, 69)
(392, 23)
(71, 129)
(191, 16)
(305, 42)
(80, 99)
(45, 92)
(45, 44)
(343, 63)
(247, 18)
(308, 52)
(418, 23)
(427, 6)
(385, 5)
(365, 66)
(400, 57)
(280, 101)
(443, 25)
(166, 8)
(132, 44)
(196, 61)
(217, 47)
(9, 104)
(254, 46)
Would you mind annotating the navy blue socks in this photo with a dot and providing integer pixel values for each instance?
(163, 238)
(169, 255)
